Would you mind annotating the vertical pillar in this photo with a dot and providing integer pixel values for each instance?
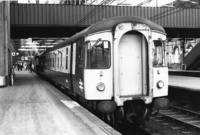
(4, 40)
(183, 41)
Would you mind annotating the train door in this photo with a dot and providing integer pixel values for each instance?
(78, 66)
(132, 64)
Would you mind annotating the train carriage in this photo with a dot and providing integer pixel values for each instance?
(116, 65)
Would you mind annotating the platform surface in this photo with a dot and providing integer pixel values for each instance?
(34, 107)
(191, 83)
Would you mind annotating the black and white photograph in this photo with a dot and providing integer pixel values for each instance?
(99, 67)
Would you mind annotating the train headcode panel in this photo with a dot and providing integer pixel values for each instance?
(115, 66)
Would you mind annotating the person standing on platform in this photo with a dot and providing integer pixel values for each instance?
(21, 66)
(30, 66)
(25, 66)
(18, 66)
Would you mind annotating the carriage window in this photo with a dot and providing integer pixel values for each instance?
(58, 62)
(66, 58)
(98, 54)
(48, 61)
(54, 64)
(60, 59)
(51, 60)
(158, 53)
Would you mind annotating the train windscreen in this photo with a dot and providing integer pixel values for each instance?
(98, 54)
(158, 53)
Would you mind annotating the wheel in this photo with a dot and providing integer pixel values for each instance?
(119, 117)
(143, 117)
(130, 113)
(110, 119)
(120, 114)
(136, 114)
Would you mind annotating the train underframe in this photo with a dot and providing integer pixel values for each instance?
(133, 112)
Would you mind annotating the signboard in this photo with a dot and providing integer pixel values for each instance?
(13, 53)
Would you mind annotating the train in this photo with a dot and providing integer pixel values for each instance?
(115, 66)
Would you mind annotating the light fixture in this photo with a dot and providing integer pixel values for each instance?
(42, 46)
(32, 43)
(30, 46)
(50, 46)
(50, 40)
(27, 49)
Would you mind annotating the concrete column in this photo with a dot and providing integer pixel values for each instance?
(4, 40)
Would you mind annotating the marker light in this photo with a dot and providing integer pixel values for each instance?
(160, 84)
(101, 86)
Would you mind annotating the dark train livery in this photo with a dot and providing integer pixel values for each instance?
(116, 66)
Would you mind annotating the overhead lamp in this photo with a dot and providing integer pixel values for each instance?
(46, 46)
(42, 46)
(32, 43)
(55, 43)
(30, 46)
(50, 40)
(50, 46)
(26, 49)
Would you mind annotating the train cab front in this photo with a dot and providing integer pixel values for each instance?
(98, 74)
(160, 76)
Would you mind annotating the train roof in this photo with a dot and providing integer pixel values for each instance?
(108, 24)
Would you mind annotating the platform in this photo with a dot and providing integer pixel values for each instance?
(34, 107)
(185, 82)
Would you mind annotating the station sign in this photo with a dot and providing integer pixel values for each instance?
(13, 53)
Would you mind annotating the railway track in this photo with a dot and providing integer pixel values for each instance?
(179, 119)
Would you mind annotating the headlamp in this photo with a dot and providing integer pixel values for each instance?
(160, 84)
(101, 86)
